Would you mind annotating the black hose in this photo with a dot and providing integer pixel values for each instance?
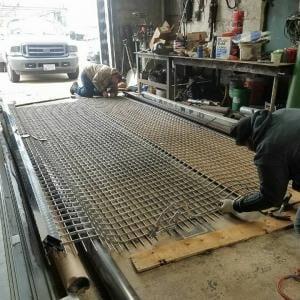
(213, 12)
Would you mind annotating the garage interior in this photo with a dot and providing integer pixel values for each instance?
(120, 197)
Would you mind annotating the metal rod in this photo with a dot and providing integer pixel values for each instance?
(274, 93)
(198, 115)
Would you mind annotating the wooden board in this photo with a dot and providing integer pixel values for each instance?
(177, 250)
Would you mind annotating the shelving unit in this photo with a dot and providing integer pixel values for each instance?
(267, 69)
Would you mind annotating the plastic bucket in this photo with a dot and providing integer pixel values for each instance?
(291, 55)
(235, 83)
(240, 98)
(276, 57)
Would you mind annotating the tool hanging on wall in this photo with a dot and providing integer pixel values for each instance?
(201, 7)
(212, 21)
(189, 10)
(183, 18)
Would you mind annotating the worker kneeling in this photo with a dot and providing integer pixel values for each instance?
(97, 80)
(275, 137)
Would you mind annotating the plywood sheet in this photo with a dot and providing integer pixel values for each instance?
(178, 250)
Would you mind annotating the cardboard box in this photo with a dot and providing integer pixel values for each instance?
(223, 47)
(165, 32)
(197, 36)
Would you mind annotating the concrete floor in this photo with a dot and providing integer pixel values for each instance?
(248, 270)
(32, 88)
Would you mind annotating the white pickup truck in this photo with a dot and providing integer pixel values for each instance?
(37, 47)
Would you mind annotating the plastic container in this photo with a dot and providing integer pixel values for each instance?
(200, 52)
(276, 57)
(250, 51)
(235, 83)
(240, 98)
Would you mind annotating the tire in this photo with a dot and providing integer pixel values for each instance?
(12, 75)
(74, 75)
(2, 67)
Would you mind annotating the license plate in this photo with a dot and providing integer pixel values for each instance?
(49, 67)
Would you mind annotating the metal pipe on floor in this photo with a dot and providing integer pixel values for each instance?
(198, 115)
(117, 285)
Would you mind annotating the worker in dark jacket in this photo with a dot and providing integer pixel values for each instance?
(275, 138)
(97, 80)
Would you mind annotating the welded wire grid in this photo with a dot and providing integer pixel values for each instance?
(206, 150)
(101, 179)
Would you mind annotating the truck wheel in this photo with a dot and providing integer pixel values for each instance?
(12, 75)
(74, 75)
(2, 67)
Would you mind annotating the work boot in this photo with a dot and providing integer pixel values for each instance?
(74, 88)
(227, 206)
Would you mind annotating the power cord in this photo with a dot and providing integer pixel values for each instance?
(280, 291)
(234, 5)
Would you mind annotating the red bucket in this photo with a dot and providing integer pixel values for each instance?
(291, 55)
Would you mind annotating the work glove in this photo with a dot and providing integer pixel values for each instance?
(227, 206)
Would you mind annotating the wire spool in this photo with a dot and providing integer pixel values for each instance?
(292, 28)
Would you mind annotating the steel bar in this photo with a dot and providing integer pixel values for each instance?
(195, 114)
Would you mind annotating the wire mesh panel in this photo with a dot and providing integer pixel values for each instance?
(208, 151)
(106, 175)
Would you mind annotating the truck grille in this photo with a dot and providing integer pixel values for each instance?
(53, 50)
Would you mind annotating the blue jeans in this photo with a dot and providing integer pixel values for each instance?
(87, 89)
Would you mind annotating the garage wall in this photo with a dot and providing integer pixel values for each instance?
(124, 21)
(253, 15)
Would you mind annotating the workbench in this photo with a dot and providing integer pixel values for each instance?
(259, 68)
(267, 69)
